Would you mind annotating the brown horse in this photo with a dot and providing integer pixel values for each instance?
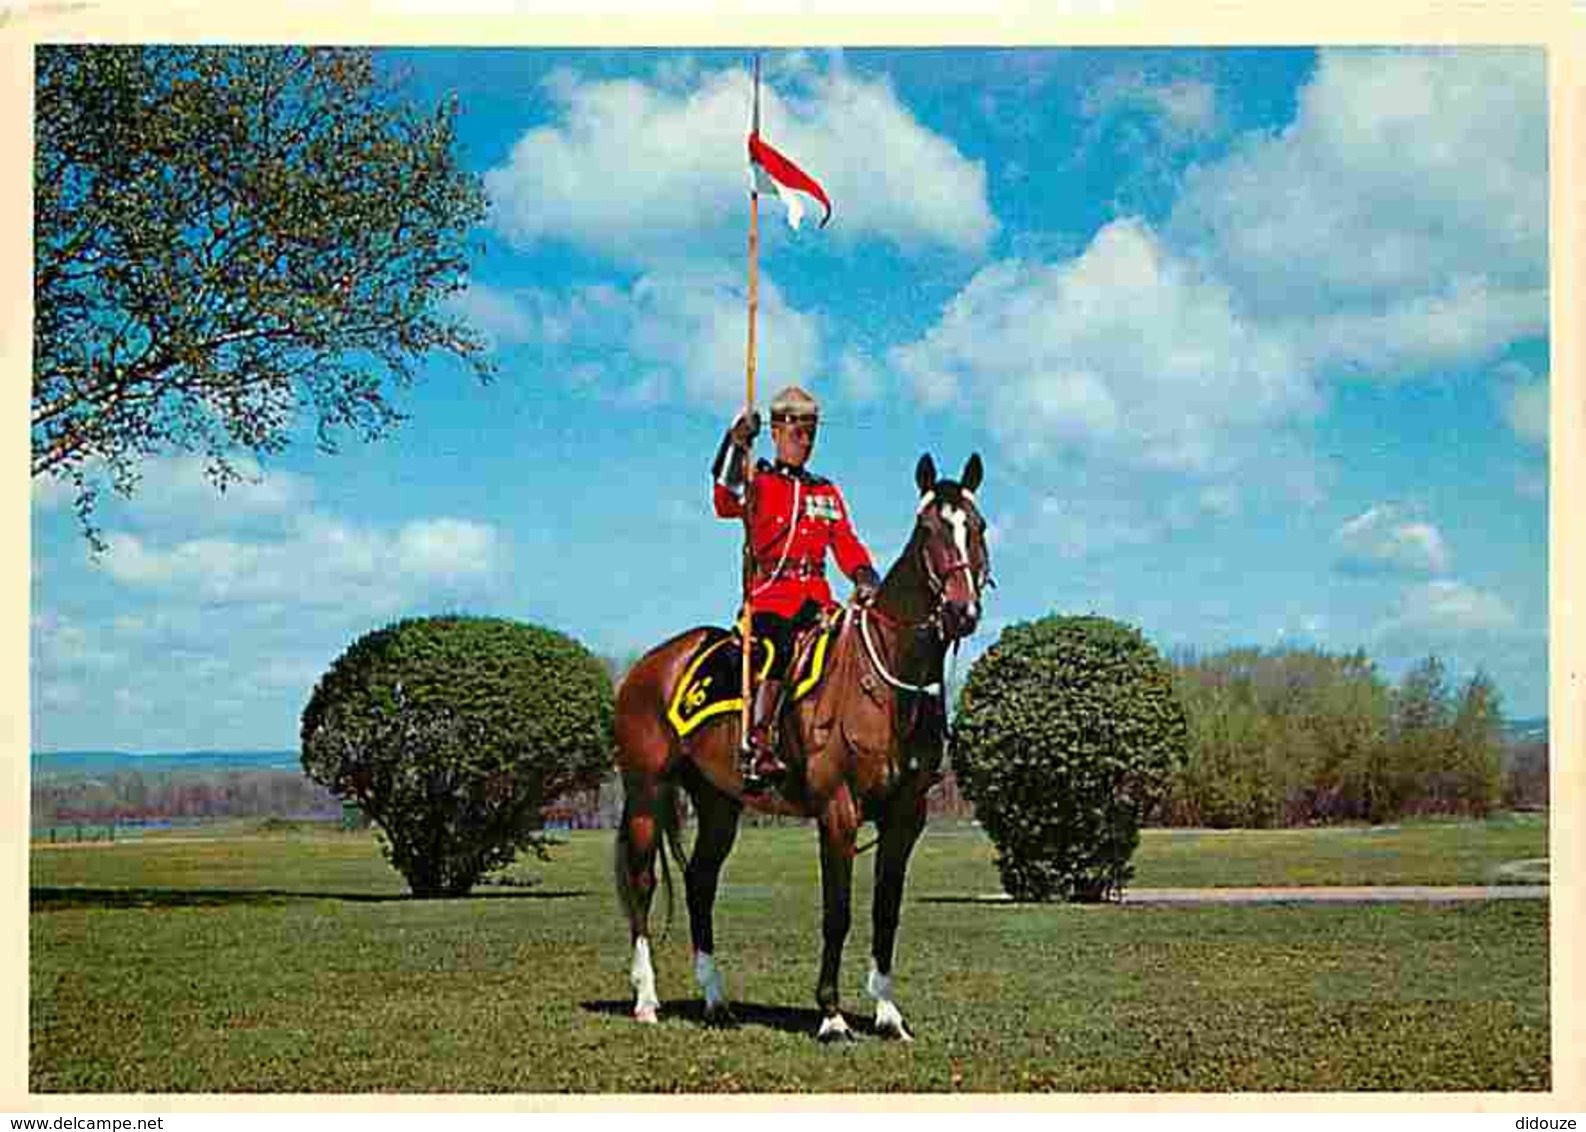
(866, 744)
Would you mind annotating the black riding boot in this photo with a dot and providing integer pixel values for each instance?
(764, 767)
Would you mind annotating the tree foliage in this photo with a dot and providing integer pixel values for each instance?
(1067, 733)
(1297, 736)
(1276, 734)
(451, 733)
(227, 238)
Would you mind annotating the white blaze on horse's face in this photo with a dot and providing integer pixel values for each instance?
(957, 520)
(962, 523)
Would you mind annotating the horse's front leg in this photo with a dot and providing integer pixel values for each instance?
(839, 828)
(900, 829)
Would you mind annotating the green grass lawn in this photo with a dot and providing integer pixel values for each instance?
(292, 962)
(1422, 852)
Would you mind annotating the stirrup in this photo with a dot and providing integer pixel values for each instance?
(754, 784)
(761, 768)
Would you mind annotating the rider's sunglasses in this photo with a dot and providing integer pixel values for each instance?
(798, 426)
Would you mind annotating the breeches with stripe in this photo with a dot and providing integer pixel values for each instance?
(781, 631)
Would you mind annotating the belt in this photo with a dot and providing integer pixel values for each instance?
(799, 569)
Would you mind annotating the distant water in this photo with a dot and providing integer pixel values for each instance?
(112, 762)
(1519, 730)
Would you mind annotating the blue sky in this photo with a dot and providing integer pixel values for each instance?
(1254, 344)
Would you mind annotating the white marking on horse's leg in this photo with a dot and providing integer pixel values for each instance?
(877, 985)
(834, 1028)
(708, 975)
(889, 1019)
(642, 976)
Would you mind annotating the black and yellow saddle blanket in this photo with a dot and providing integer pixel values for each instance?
(711, 684)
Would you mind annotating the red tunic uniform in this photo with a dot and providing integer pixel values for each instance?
(789, 556)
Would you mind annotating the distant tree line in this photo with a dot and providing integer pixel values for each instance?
(1525, 780)
(1298, 736)
(1286, 737)
(133, 796)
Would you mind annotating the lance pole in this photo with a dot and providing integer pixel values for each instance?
(748, 479)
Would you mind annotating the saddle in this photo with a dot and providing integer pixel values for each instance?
(711, 684)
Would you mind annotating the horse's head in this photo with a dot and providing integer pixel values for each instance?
(951, 535)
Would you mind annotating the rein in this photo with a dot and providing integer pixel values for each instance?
(938, 689)
(937, 584)
(875, 660)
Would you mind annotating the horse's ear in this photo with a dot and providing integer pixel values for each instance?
(925, 473)
(973, 471)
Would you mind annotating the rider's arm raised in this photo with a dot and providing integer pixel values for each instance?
(727, 471)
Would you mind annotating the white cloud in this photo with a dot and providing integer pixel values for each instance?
(1445, 615)
(49, 493)
(1110, 510)
(1124, 352)
(446, 549)
(860, 379)
(1407, 202)
(288, 673)
(1141, 127)
(501, 316)
(1078, 527)
(1525, 402)
(696, 324)
(1384, 540)
(320, 562)
(167, 661)
(179, 485)
(62, 643)
(1397, 226)
(1530, 484)
(646, 171)
(1220, 500)
(131, 701)
(1467, 321)
(177, 491)
(679, 334)
(1184, 109)
(58, 695)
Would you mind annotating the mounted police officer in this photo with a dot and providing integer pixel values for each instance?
(796, 517)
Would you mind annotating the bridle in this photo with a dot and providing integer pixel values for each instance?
(979, 581)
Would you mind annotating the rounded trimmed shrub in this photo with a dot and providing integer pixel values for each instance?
(1067, 734)
(452, 732)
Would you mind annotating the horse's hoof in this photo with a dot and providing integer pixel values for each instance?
(897, 1032)
(720, 1016)
(834, 1028)
(889, 1022)
(646, 1015)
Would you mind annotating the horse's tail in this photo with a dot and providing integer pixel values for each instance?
(667, 820)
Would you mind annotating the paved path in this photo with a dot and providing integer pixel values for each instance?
(1329, 894)
(1335, 894)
